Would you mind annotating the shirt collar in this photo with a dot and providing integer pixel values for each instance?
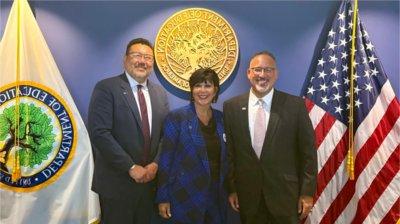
(253, 99)
(133, 83)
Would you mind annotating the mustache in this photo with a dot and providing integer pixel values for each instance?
(261, 79)
(141, 65)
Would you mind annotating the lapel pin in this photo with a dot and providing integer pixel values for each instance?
(244, 108)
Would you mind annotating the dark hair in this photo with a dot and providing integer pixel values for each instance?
(203, 75)
(264, 52)
(138, 41)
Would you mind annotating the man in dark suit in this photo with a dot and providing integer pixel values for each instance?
(270, 140)
(126, 113)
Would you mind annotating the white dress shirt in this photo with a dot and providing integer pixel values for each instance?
(253, 106)
(133, 83)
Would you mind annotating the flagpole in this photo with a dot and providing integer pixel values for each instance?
(350, 154)
(16, 173)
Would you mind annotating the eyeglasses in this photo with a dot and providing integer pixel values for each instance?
(260, 70)
(138, 56)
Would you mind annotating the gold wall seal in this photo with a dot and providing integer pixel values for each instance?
(194, 38)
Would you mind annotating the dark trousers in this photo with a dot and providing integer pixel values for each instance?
(264, 216)
(124, 210)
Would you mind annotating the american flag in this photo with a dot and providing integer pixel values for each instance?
(373, 196)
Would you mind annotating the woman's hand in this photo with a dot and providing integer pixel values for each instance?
(164, 210)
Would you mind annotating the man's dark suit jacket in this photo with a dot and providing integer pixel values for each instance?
(115, 133)
(287, 167)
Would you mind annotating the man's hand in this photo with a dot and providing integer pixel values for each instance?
(151, 171)
(304, 206)
(164, 210)
(138, 173)
(234, 201)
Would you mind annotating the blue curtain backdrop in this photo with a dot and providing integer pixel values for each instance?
(88, 38)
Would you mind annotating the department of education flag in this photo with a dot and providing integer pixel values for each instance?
(46, 162)
(373, 196)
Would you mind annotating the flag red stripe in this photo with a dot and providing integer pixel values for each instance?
(340, 202)
(363, 156)
(375, 140)
(323, 128)
(331, 165)
(393, 214)
(378, 186)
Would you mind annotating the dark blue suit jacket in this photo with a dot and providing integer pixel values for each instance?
(115, 132)
(184, 174)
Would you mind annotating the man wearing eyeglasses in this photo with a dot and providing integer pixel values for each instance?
(270, 140)
(125, 117)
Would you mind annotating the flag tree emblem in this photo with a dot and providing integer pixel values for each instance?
(37, 136)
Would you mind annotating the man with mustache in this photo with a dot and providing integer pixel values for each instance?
(271, 153)
(126, 113)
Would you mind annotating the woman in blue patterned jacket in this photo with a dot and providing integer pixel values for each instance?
(193, 161)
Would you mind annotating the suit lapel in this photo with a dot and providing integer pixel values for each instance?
(198, 139)
(274, 119)
(243, 107)
(130, 99)
(220, 131)
(155, 103)
(156, 121)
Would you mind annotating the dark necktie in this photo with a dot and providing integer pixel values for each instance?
(145, 125)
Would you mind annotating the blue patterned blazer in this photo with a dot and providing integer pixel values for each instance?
(184, 175)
